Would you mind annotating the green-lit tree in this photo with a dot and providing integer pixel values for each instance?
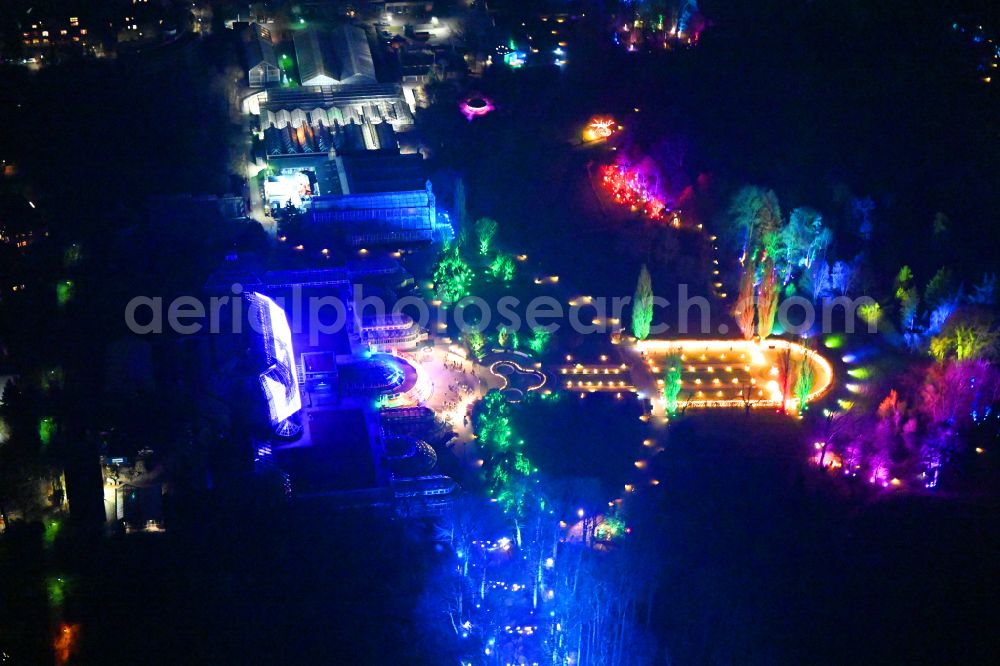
(503, 267)
(767, 300)
(909, 300)
(486, 231)
(539, 341)
(804, 383)
(476, 342)
(939, 289)
(642, 305)
(493, 422)
(968, 335)
(672, 382)
(870, 313)
(452, 277)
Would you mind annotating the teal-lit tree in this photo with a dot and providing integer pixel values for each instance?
(452, 277)
(801, 242)
(672, 382)
(642, 305)
(756, 216)
(486, 232)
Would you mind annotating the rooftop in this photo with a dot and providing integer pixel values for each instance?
(340, 55)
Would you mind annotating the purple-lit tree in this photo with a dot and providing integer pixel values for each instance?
(954, 396)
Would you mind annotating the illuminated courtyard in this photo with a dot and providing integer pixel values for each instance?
(736, 373)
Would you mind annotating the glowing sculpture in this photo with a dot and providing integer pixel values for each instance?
(280, 381)
(515, 59)
(599, 128)
(475, 105)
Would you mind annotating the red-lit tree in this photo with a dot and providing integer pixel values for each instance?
(744, 310)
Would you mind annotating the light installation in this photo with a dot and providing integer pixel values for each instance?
(515, 59)
(628, 187)
(474, 106)
(511, 56)
(599, 128)
(280, 382)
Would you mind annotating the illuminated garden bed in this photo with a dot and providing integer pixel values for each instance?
(737, 373)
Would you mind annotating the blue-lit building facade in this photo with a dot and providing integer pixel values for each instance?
(334, 403)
